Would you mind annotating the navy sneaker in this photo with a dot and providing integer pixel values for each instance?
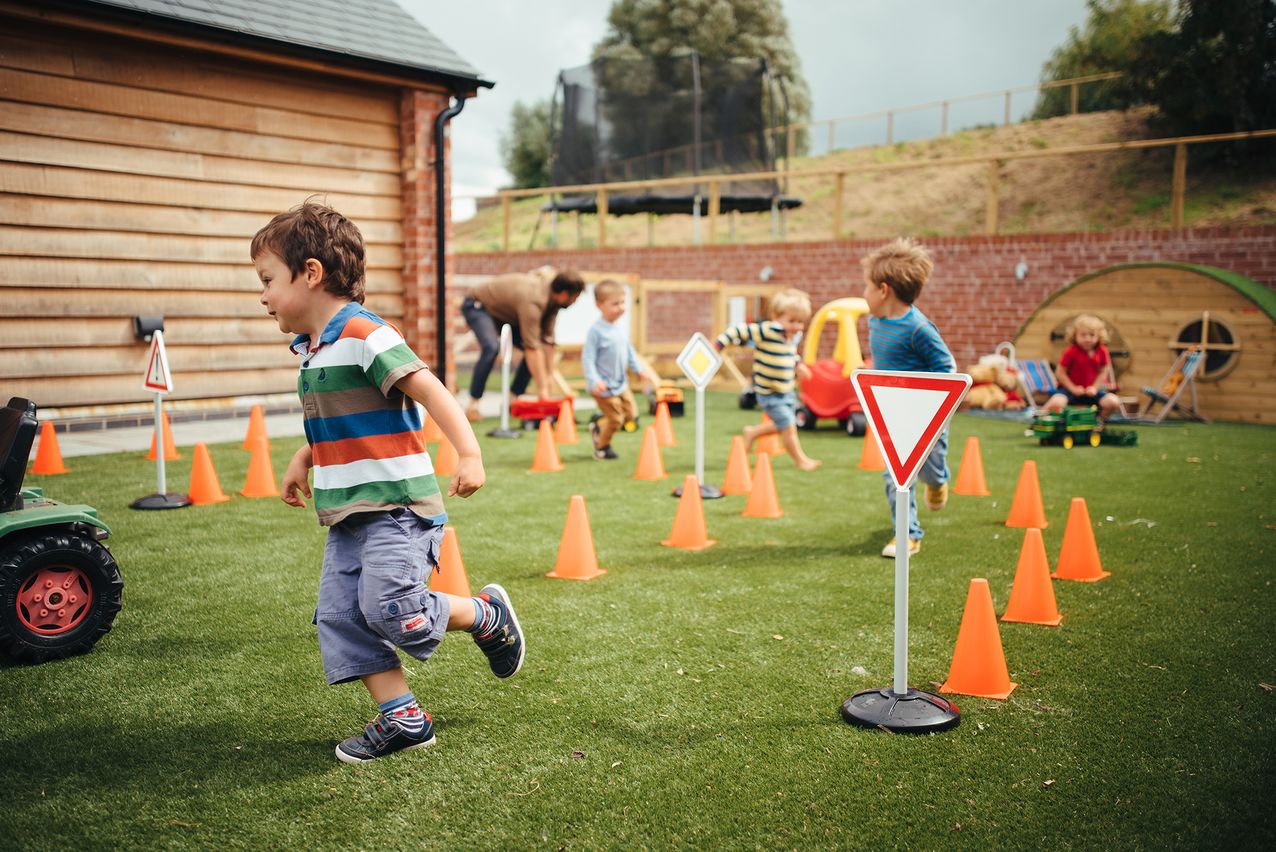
(384, 736)
(595, 432)
(503, 644)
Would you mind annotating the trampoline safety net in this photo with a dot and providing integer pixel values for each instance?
(641, 119)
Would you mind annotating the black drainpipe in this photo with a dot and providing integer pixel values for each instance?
(440, 236)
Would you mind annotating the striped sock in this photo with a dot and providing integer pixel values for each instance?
(405, 712)
(485, 617)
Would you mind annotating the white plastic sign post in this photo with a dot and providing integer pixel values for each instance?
(699, 362)
(159, 379)
(906, 412)
(506, 355)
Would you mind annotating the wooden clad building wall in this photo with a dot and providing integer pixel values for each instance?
(1149, 305)
(132, 177)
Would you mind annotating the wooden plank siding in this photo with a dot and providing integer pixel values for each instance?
(132, 177)
(1150, 306)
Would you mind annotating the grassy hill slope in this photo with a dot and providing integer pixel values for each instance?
(1088, 192)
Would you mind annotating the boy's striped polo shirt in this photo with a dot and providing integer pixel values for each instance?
(774, 355)
(365, 436)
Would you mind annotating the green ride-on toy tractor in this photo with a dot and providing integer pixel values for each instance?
(1078, 424)
(60, 588)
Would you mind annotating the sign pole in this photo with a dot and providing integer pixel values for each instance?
(159, 379)
(507, 355)
(699, 362)
(907, 412)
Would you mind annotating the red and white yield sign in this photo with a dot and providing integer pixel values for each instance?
(907, 412)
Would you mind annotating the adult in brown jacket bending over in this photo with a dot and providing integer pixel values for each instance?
(529, 302)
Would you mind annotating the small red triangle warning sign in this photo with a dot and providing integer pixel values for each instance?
(158, 378)
(907, 412)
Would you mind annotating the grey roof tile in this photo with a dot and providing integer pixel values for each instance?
(372, 29)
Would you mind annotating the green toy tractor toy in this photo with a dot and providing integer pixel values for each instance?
(1078, 424)
(60, 588)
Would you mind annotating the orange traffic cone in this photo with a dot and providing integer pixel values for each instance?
(256, 428)
(737, 480)
(431, 431)
(1032, 596)
(48, 456)
(565, 426)
(769, 444)
(170, 450)
(450, 578)
(688, 524)
(1079, 557)
(261, 476)
(762, 502)
(205, 487)
(664, 426)
(650, 465)
(546, 458)
(1025, 508)
(871, 454)
(445, 458)
(979, 665)
(970, 475)
(576, 557)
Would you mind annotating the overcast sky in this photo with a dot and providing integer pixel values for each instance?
(858, 56)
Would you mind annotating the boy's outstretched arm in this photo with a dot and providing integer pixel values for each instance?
(424, 387)
(297, 477)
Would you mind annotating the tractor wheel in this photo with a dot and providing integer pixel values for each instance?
(805, 418)
(1095, 439)
(749, 400)
(1067, 442)
(857, 424)
(59, 594)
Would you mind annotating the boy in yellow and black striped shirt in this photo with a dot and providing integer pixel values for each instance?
(775, 366)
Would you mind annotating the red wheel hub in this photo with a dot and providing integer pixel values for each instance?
(54, 600)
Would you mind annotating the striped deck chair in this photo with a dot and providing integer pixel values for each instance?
(1179, 378)
(1038, 382)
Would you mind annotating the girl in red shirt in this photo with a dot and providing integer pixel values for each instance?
(1085, 369)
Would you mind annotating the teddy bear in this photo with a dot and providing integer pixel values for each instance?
(993, 387)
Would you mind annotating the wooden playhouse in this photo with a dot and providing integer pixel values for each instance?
(1153, 312)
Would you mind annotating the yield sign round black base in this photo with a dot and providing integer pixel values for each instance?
(161, 501)
(505, 433)
(914, 712)
(707, 492)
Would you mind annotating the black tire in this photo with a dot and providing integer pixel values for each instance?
(88, 569)
(749, 400)
(857, 424)
(805, 418)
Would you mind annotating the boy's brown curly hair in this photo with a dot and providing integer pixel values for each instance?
(314, 230)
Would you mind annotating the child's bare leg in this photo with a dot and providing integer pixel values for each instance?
(1056, 403)
(752, 433)
(386, 685)
(1107, 405)
(789, 437)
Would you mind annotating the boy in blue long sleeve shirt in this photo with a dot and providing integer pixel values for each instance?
(901, 337)
(607, 357)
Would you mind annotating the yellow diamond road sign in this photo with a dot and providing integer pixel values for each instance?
(699, 360)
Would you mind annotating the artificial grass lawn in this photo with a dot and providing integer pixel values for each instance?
(682, 698)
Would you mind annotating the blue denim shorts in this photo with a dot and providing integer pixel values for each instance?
(374, 594)
(779, 407)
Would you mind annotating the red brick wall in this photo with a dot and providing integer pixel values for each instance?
(973, 296)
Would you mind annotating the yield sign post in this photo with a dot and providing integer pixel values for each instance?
(699, 362)
(906, 412)
(507, 354)
(160, 380)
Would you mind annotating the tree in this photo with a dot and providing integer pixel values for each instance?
(525, 147)
(718, 30)
(1215, 72)
(1113, 39)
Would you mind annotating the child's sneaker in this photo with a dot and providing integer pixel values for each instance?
(936, 496)
(384, 736)
(605, 453)
(594, 432)
(914, 545)
(503, 644)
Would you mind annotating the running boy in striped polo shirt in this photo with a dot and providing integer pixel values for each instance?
(374, 485)
(775, 364)
(900, 337)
